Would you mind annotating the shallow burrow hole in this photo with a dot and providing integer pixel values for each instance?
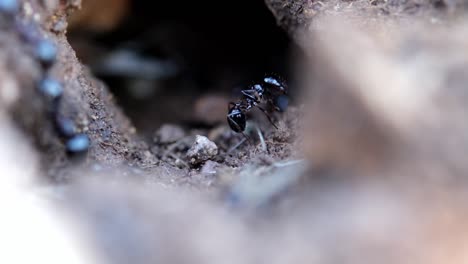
(180, 62)
(164, 56)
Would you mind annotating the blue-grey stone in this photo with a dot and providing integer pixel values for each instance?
(46, 52)
(51, 88)
(9, 6)
(78, 143)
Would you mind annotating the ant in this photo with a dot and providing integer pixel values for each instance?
(271, 92)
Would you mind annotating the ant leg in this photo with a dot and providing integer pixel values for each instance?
(250, 94)
(247, 138)
(231, 105)
(267, 115)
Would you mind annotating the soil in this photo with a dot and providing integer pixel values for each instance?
(109, 119)
(145, 114)
(123, 124)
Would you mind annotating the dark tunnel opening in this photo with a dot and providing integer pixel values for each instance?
(166, 57)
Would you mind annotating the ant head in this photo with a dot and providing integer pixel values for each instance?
(258, 88)
(236, 119)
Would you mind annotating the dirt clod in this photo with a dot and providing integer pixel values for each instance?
(202, 150)
(210, 168)
(168, 134)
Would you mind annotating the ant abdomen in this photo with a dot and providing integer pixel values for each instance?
(236, 118)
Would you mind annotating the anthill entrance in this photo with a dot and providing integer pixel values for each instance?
(167, 57)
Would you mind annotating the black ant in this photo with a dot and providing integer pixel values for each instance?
(271, 92)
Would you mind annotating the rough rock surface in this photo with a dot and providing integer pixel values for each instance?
(202, 150)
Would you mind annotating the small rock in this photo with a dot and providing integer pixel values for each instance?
(202, 150)
(51, 88)
(210, 168)
(60, 25)
(168, 134)
(64, 126)
(78, 144)
(46, 52)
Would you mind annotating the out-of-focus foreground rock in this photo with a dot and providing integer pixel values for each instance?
(86, 100)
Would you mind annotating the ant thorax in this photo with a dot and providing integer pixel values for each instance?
(254, 95)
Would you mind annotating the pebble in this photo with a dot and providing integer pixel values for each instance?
(46, 52)
(202, 150)
(78, 144)
(65, 127)
(60, 25)
(210, 168)
(51, 88)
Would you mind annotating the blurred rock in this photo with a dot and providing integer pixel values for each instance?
(393, 98)
(102, 15)
(295, 16)
(211, 109)
(168, 133)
